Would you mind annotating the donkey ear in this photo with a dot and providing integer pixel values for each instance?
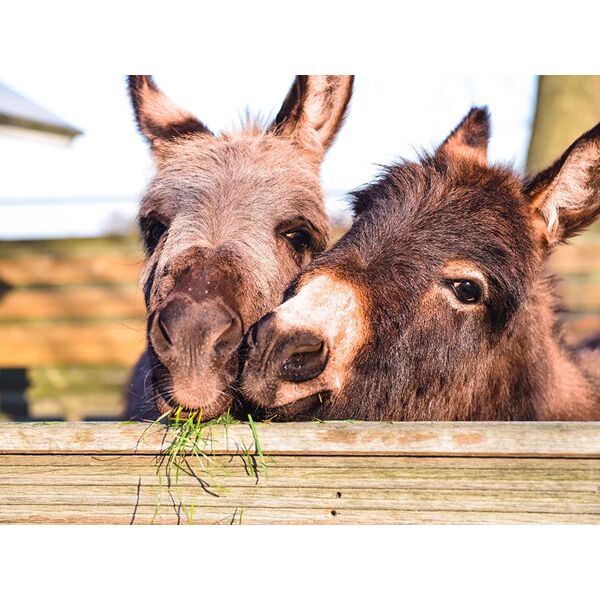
(314, 110)
(566, 195)
(469, 140)
(159, 119)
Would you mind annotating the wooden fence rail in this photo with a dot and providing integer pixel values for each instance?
(72, 315)
(305, 473)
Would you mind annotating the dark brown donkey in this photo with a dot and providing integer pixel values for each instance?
(227, 222)
(436, 305)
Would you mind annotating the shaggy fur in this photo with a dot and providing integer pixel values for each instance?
(423, 354)
(218, 220)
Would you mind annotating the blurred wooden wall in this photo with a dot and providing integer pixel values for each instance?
(566, 107)
(72, 317)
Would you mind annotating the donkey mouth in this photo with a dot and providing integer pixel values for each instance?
(167, 401)
(301, 409)
(166, 404)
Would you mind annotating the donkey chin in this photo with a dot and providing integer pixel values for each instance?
(274, 392)
(204, 396)
(277, 399)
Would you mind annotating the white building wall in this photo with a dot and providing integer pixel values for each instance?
(93, 185)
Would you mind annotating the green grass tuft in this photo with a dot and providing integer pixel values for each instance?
(190, 452)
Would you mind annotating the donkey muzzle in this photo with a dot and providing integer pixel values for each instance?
(283, 366)
(190, 334)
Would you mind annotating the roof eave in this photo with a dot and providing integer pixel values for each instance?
(66, 131)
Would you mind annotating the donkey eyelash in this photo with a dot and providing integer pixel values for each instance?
(467, 291)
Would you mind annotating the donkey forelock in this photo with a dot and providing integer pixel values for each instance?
(227, 220)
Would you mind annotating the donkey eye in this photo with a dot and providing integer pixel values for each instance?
(299, 239)
(155, 232)
(468, 292)
(152, 230)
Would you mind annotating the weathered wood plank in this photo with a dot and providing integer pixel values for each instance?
(125, 462)
(331, 438)
(303, 471)
(78, 407)
(283, 498)
(37, 345)
(168, 514)
(376, 478)
(316, 473)
(109, 246)
(49, 269)
(73, 303)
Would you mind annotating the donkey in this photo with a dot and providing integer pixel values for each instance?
(437, 304)
(227, 222)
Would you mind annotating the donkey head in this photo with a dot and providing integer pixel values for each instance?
(227, 221)
(434, 305)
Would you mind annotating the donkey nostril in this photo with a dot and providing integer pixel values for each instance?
(253, 337)
(302, 357)
(230, 336)
(168, 322)
(163, 330)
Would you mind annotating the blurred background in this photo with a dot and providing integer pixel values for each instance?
(74, 169)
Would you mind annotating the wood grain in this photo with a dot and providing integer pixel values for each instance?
(330, 438)
(487, 474)
(280, 498)
(175, 514)
(328, 473)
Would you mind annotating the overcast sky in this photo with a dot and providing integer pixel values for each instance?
(391, 115)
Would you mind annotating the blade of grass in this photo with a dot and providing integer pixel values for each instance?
(257, 446)
(190, 437)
